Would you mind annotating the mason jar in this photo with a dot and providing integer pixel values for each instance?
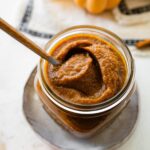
(80, 119)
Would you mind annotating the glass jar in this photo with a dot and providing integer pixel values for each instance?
(80, 119)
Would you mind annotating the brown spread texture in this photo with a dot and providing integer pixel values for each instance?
(92, 70)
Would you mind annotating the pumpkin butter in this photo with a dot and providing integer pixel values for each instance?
(92, 70)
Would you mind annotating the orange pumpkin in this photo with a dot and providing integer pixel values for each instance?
(97, 6)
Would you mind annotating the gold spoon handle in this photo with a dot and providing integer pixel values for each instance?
(25, 41)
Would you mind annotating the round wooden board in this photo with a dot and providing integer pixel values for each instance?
(44, 126)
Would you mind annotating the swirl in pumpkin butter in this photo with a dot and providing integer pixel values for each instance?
(92, 70)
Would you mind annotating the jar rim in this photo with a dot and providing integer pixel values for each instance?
(86, 108)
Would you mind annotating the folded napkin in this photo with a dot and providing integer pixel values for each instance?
(44, 18)
(132, 12)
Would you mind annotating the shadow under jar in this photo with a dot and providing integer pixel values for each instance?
(84, 116)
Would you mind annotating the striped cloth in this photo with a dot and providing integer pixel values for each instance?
(44, 18)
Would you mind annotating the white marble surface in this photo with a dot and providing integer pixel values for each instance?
(16, 63)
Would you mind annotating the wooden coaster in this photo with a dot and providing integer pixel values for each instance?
(44, 126)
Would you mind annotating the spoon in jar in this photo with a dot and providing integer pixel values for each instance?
(26, 42)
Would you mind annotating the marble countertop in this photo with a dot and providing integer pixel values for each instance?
(16, 63)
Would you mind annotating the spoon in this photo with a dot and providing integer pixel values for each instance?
(26, 42)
